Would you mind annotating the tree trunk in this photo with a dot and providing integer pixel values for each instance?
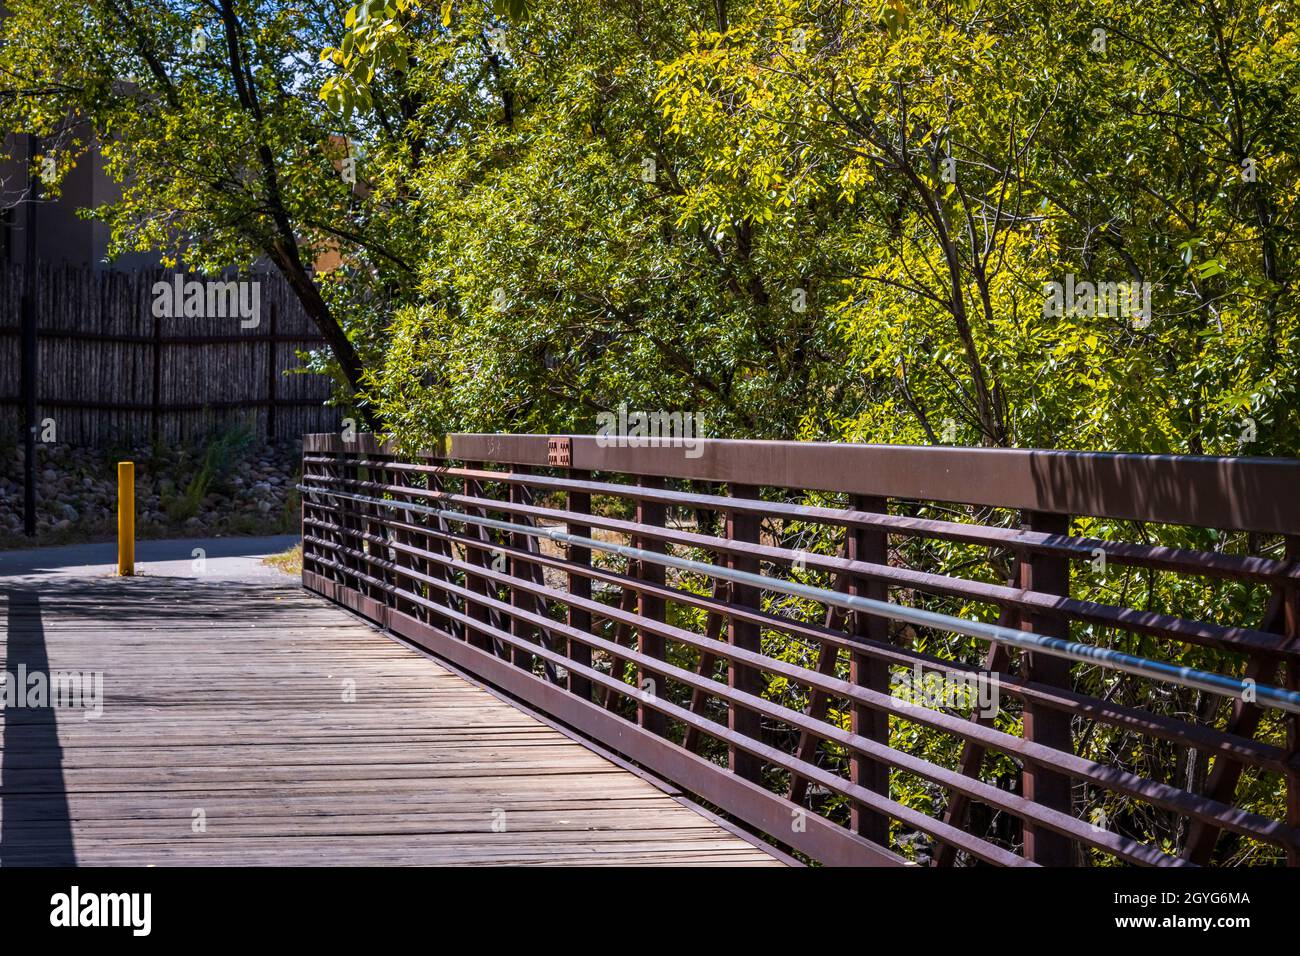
(290, 266)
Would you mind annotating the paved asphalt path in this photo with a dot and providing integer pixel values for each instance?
(228, 559)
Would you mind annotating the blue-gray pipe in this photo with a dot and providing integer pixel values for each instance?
(1263, 694)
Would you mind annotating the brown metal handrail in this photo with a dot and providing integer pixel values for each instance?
(480, 595)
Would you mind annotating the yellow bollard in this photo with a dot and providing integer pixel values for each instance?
(125, 518)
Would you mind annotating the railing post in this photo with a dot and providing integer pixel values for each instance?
(1291, 622)
(302, 511)
(369, 525)
(996, 660)
(871, 546)
(1046, 574)
(436, 541)
(579, 502)
(312, 510)
(338, 508)
(351, 524)
(649, 683)
(521, 570)
(475, 610)
(383, 529)
(1282, 617)
(401, 584)
(744, 635)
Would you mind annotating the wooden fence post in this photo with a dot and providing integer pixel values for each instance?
(270, 373)
(155, 411)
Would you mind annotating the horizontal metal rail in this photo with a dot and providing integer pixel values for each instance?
(1244, 494)
(1210, 740)
(1080, 768)
(1081, 549)
(1262, 694)
(1124, 848)
(1230, 638)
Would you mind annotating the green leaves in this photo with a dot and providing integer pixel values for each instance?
(911, 174)
(514, 10)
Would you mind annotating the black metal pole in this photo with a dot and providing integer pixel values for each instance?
(29, 351)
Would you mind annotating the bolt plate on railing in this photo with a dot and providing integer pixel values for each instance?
(559, 451)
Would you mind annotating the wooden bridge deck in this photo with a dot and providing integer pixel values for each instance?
(226, 738)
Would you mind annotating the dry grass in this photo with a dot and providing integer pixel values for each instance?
(290, 562)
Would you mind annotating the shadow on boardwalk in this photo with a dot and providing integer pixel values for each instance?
(35, 825)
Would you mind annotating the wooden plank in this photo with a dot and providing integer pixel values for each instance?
(297, 734)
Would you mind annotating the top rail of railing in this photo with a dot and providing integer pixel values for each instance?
(1240, 494)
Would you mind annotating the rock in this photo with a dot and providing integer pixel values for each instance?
(77, 489)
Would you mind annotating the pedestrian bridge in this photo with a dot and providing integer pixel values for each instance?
(559, 649)
(869, 654)
(244, 721)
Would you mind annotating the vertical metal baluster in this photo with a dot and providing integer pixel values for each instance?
(871, 546)
(579, 502)
(746, 635)
(1047, 574)
(650, 683)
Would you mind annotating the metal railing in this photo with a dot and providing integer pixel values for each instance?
(765, 678)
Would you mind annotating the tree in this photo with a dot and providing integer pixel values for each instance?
(978, 152)
(839, 220)
(208, 115)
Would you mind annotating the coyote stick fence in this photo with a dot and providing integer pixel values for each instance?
(111, 371)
